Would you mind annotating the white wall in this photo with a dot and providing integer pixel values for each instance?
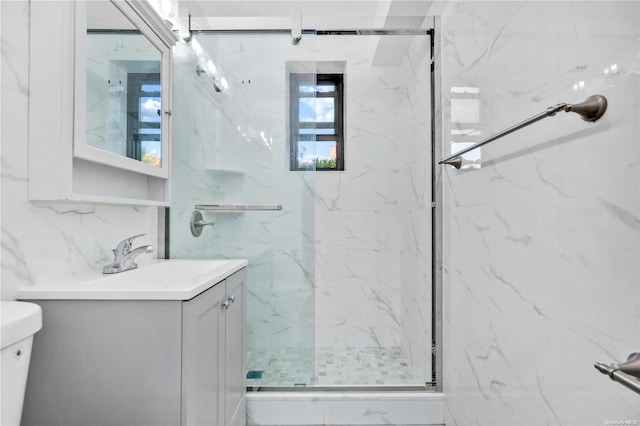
(542, 242)
(48, 241)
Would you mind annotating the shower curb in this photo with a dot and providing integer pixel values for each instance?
(342, 408)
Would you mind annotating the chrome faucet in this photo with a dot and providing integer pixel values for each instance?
(124, 257)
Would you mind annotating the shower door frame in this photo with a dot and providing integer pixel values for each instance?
(437, 226)
(436, 204)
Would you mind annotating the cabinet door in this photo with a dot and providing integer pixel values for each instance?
(105, 363)
(235, 406)
(203, 358)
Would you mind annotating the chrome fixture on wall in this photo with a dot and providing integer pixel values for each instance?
(220, 84)
(296, 27)
(238, 207)
(631, 368)
(591, 109)
(197, 223)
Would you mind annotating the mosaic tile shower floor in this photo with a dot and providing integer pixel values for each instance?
(362, 366)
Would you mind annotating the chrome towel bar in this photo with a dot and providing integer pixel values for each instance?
(591, 109)
(238, 207)
(627, 374)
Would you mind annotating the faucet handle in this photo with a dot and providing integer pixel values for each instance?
(124, 246)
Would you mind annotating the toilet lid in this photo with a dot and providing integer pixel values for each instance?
(18, 320)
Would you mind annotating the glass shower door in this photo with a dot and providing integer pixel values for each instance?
(339, 280)
(231, 149)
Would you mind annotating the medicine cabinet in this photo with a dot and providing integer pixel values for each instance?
(100, 102)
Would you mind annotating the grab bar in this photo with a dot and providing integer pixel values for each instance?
(591, 109)
(625, 374)
(238, 207)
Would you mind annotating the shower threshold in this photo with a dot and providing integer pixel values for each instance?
(428, 387)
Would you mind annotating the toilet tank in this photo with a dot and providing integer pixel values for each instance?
(19, 321)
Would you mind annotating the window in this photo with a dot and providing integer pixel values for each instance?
(316, 121)
(143, 113)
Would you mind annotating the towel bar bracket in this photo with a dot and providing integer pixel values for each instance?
(627, 374)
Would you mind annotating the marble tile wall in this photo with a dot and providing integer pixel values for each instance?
(542, 239)
(341, 264)
(46, 241)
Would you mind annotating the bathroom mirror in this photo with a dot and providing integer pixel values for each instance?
(122, 89)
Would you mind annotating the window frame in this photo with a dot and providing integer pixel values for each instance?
(318, 79)
(134, 140)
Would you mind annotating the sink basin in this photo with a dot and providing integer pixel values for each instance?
(165, 280)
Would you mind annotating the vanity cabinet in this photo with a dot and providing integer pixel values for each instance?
(97, 132)
(213, 323)
(141, 362)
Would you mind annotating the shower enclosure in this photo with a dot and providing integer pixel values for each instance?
(340, 261)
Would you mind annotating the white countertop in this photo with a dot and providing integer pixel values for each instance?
(175, 279)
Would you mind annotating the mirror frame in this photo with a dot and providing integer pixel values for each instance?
(146, 20)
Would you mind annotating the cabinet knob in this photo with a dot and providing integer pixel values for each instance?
(228, 302)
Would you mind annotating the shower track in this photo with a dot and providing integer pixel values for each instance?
(389, 388)
(334, 32)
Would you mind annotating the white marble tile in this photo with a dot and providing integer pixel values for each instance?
(541, 241)
(395, 412)
(346, 408)
(346, 335)
(15, 91)
(269, 412)
(374, 306)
